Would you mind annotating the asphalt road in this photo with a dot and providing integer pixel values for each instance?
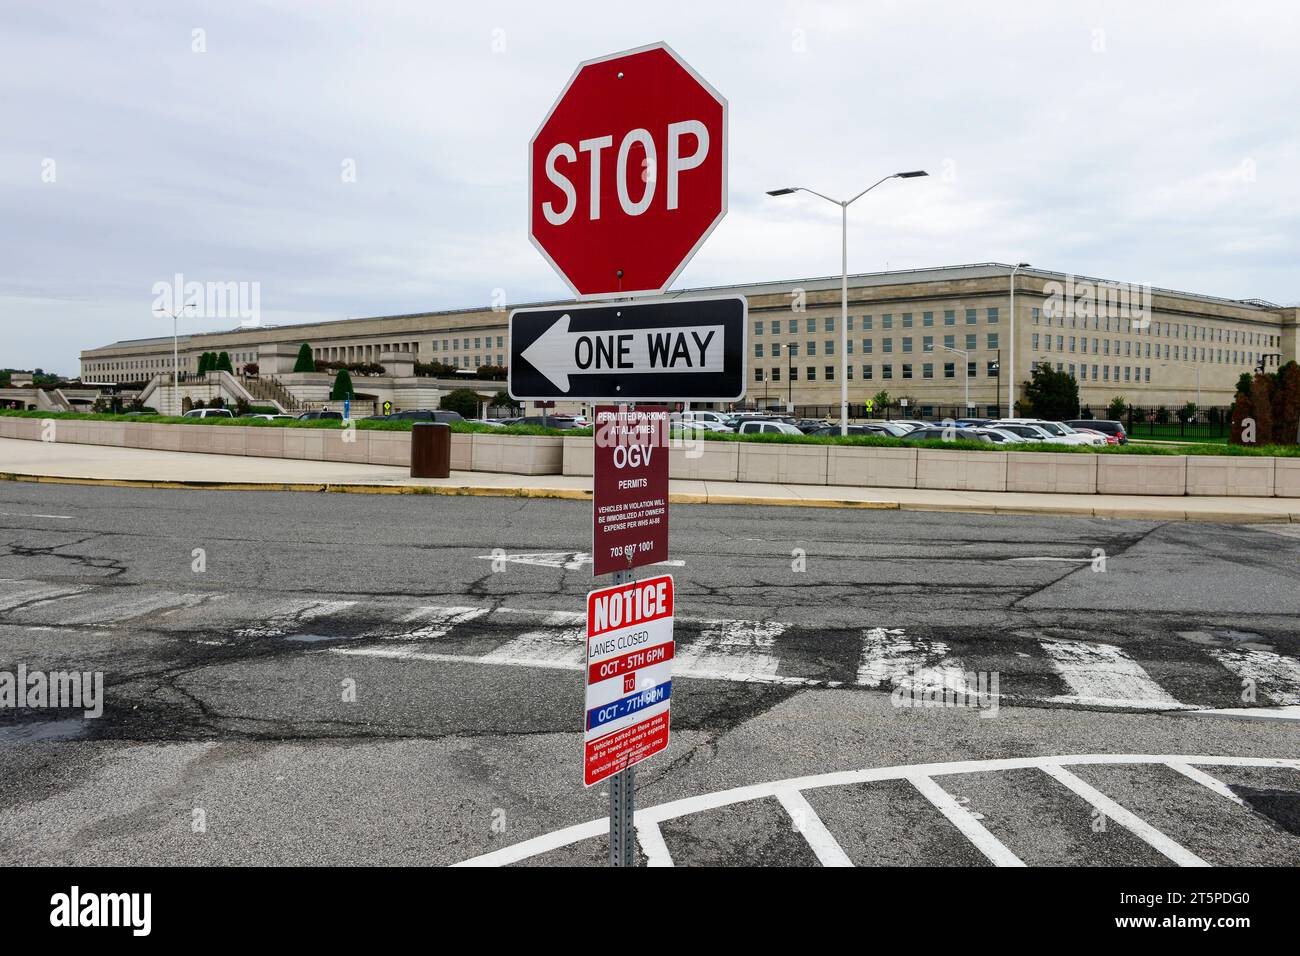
(332, 678)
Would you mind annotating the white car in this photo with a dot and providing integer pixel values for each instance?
(1056, 432)
(699, 421)
(1003, 435)
(209, 413)
(768, 428)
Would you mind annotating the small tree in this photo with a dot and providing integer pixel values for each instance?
(305, 362)
(205, 363)
(1187, 413)
(342, 386)
(1051, 394)
(223, 363)
(881, 400)
(1244, 381)
(1286, 406)
(462, 400)
(1117, 407)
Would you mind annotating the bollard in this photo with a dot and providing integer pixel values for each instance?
(430, 450)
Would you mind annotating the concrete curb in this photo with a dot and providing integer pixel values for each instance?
(679, 498)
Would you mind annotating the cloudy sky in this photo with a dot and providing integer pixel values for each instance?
(1110, 139)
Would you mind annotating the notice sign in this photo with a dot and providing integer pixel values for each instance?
(629, 675)
(629, 518)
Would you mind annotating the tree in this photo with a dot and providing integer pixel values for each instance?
(1117, 407)
(342, 386)
(223, 363)
(1051, 394)
(1187, 413)
(881, 400)
(205, 363)
(463, 400)
(305, 363)
(1243, 383)
(5, 378)
(1286, 406)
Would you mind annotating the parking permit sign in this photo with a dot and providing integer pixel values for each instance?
(629, 675)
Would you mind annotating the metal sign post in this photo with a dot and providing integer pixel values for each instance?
(622, 796)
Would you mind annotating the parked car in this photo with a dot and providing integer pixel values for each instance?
(440, 415)
(209, 413)
(1001, 436)
(866, 429)
(809, 425)
(945, 433)
(892, 428)
(1061, 434)
(494, 422)
(266, 416)
(912, 423)
(1023, 432)
(698, 421)
(319, 414)
(1110, 439)
(768, 428)
(1109, 428)
(548, 421)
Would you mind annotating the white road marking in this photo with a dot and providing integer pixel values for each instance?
(293, 615)
(807, 822)
(1066, 560)
(965, 821)
(568, 560)
(1275, 675)
(1103, 675)
(725, 798)
(1125, 818)
(558, 643)
(652, 843)
(892, 659)
(1205, 780)
(119, 611)
(1250, 713)
(735, 651)
(14, 514)
(434, 622)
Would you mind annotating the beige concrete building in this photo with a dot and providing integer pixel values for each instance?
(925, 334)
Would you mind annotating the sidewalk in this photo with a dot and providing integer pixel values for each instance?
(103, 464)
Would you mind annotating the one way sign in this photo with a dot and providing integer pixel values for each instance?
(683, 349)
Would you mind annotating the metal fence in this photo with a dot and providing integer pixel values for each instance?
(1209, 424)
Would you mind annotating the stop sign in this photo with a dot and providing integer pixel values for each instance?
(627, 175)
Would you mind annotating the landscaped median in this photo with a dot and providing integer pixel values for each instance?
(858, 461)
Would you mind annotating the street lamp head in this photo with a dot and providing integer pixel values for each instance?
(783, 191)
(911, 174)
(1022, 265)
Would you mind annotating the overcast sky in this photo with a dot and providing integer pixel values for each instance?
(1141, 141)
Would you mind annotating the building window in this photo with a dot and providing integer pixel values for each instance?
(758, 350)
(811, 324)
(830, 324)
(887, 321)
(886, 345)
(776, 374)
(907, 370)
(949, 316)
(949, 369)
(829, 373)
(794, 373)
(907, 343)
(970, 369)
(927, 370)
(810, 373)
(886, 371)
(866, 323)
(758, 375)
(927, 319)
(970, 316)
(828, 347)
(758, 328)
(866, 373)
(812, 349)
(866, 346)
(950, 341)
(992, 370)
(992, 339)
(776, 350)
(907, 320)
(993, 315)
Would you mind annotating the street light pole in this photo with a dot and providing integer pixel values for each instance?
(1011, 373)
(844, 205)
(176, 360)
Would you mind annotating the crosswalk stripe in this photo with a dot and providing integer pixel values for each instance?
(558, 643)
(432, 623)
(119, 611)
(1125, 818)
(1103, 675)
(964, 820)
(652, 843)
(892, 659)
(736, 651)
(290, 615)
(807, 822)
(1277, 676)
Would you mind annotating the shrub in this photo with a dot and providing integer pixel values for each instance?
(305, 362)
(1117, 407)
(223, 363)
(463, 400)
(342, 386)
(1051, 394)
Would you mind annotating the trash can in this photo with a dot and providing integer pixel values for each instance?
(430, 450)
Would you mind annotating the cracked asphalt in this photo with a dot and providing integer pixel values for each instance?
(239, 727)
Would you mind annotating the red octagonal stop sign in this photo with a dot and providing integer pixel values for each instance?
(627, 175)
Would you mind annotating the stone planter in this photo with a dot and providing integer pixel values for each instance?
(1141, 475)
(871, 467)
(516, 454)
(782, 464)
(1230, 475)
(704, 461)
(1052, 472)
(579, 456)
(961, 470)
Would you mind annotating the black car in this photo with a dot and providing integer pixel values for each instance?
(853, 430)
(439, 415)
(548, 421)
(939, 433)
(1115, 429)
(323, 413)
